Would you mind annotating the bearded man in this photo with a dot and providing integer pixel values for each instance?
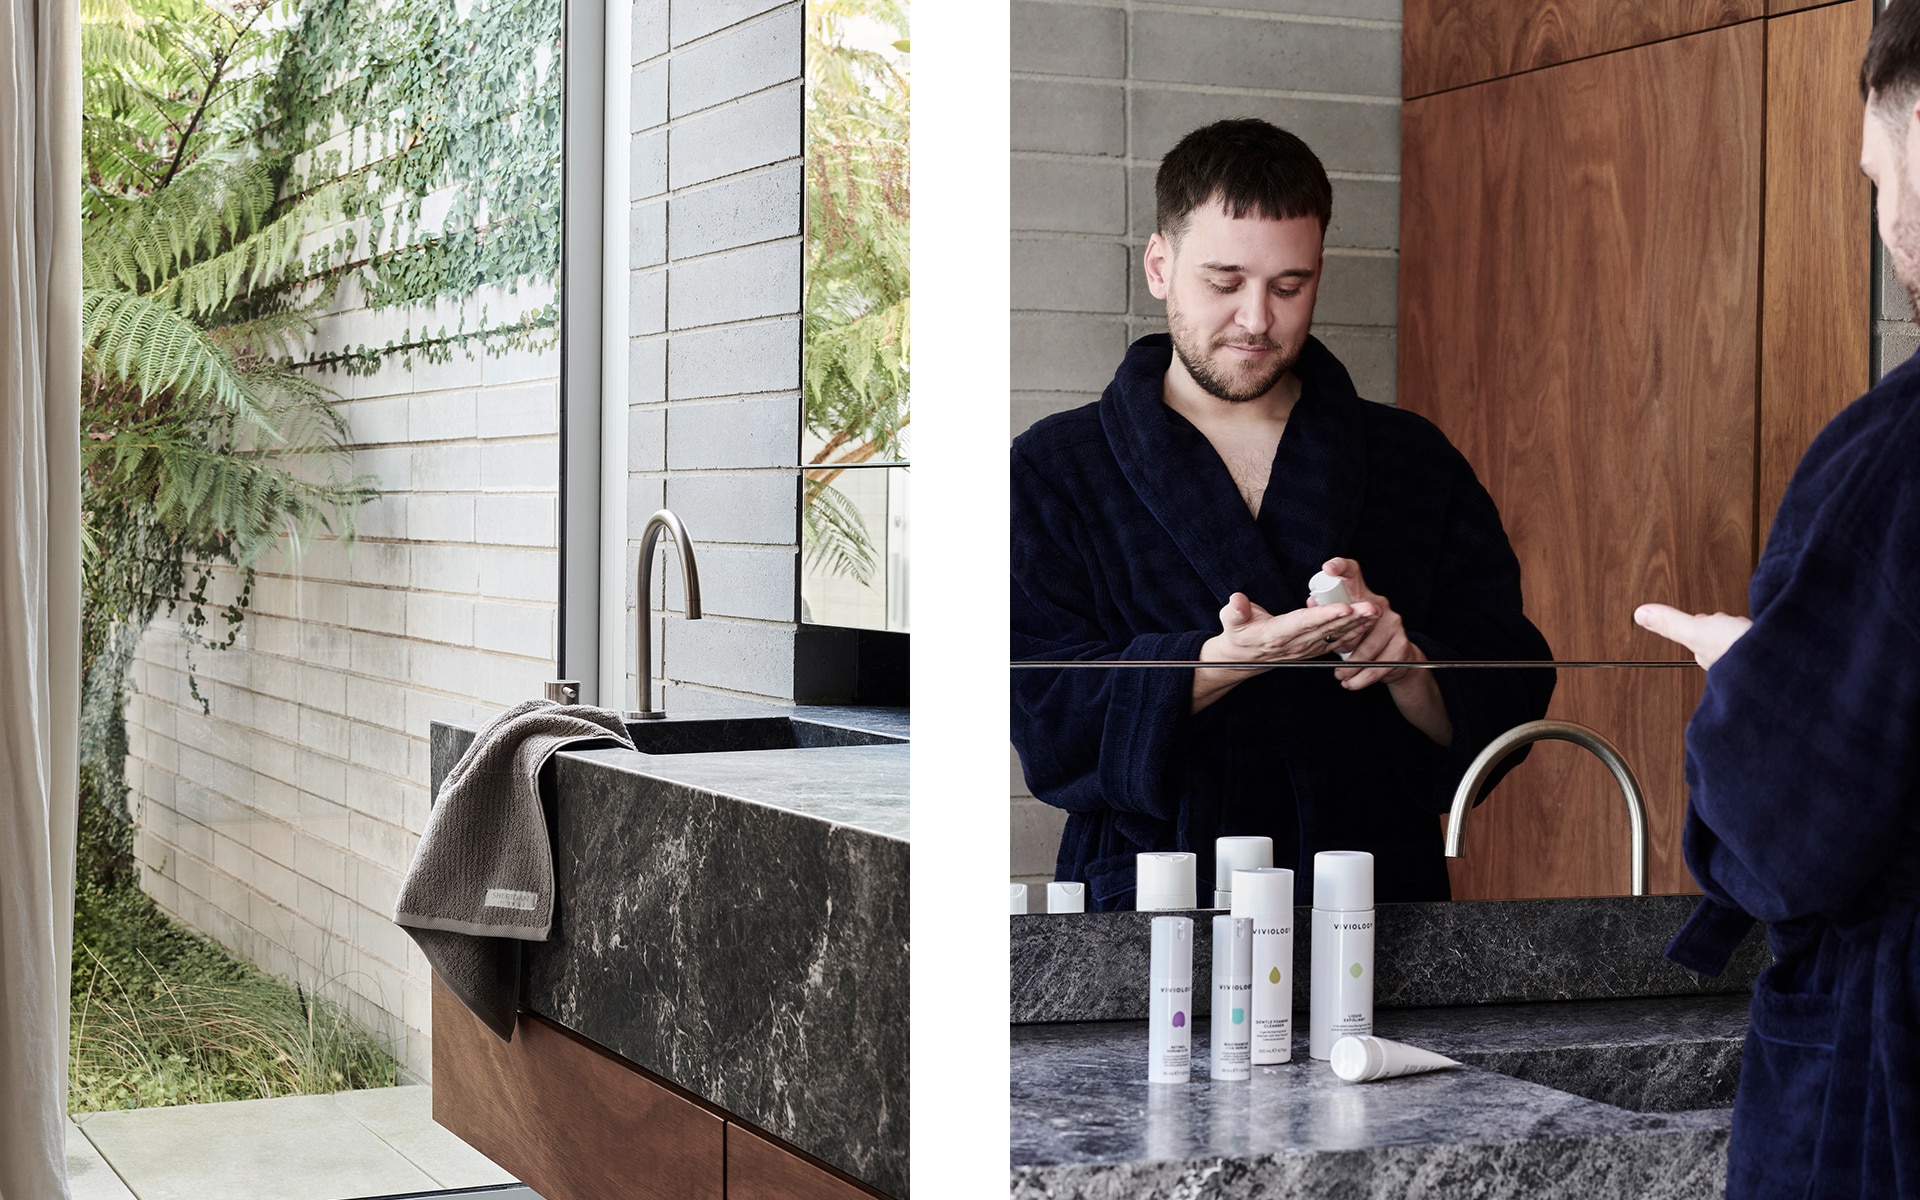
(1803, 758)
(1181, 517)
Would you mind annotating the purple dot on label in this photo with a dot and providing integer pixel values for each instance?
(1179, 1020)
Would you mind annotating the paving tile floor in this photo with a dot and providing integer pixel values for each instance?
(348, 1146)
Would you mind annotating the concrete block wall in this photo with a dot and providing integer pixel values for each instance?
(715, 251)
(1101, 90)
(281, 821)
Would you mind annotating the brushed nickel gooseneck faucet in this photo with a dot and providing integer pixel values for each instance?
(662, 521)
(1563, 731)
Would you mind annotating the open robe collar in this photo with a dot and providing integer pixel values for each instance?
(1314, 490)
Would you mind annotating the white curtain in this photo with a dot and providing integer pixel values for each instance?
(39, 579)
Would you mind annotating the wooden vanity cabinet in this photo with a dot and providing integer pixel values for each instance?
(573, 1121)
(1634, 283)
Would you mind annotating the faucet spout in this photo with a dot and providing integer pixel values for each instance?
(1563, 731)
(661, 522)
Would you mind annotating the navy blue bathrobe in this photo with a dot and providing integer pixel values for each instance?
(1129, 536)
(1803, 762)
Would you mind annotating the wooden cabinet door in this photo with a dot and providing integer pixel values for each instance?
(567, 1118)
(1816, 342)
(1579, 311)
(761, 1169)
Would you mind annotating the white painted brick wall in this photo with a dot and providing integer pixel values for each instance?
(282, 822)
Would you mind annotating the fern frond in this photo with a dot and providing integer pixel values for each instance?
(139, 340)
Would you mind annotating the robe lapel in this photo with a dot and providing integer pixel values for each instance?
(1183, 483)
(1314, 496)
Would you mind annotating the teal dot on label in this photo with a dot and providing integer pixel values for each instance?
(1239, 1016)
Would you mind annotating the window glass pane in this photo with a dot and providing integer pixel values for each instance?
(857, 310)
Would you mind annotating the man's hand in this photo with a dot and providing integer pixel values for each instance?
(1708, 635)
(1249, 633)
(1415, 693)
(1386, 642)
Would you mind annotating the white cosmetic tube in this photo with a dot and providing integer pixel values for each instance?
(1341, 1002)
(1232, 854)
(1170, 1003)
(1361, 1059)
(1066, 897)
(1232, 998)
(1329, 589)
(1265, 896)
(1164, 880)
(1017, 899)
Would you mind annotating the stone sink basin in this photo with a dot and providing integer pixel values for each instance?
(729, 735)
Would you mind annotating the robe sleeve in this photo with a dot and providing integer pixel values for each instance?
(1476, 613)
(1088, 739)
(1801, 757)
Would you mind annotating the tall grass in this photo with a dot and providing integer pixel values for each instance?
(164, 1016)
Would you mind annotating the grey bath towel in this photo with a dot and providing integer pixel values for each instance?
(481, 880)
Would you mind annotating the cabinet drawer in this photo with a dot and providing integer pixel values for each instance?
(567, 1118)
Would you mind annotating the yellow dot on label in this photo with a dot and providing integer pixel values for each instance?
(1273, 976)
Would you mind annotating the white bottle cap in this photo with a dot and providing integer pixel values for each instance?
(1164, 880)
(1066, 897)
(1343, 880)
(1357, 1058)
(1263, 892)
(1017, 902)
(1328, 589)
(1232, 854)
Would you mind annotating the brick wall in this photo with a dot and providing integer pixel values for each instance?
(1100, 92)
(280, 822)
(713, 385)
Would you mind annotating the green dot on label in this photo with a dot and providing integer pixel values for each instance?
(1354, 970)
(1273, 976)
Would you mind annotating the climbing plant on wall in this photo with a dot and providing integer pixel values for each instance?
(857, 303)
(247, 163)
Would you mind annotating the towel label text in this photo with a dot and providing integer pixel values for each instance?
(505, 898)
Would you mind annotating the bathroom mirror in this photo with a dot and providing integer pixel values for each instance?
(856, 513)
(1572, 259)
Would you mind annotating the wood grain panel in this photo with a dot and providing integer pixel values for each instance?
(1579, 311)
(1816, 316)
(568, 1119)
(759, 1168)
(1453, 43)
(1776, 7)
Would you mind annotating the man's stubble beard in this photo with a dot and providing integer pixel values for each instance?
(1194, 355)
(1906, 237)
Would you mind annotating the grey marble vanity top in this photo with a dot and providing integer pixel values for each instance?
(1085, 1124)
(737, 921)
(1593, 1067)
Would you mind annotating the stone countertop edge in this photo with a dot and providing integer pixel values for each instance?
(664, 863)
(1093, 966)
(1086, 1125)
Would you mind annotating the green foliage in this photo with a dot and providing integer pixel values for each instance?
(164, 1016)
(857, 301)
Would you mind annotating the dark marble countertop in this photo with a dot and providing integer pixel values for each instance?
(1085, 1123)
(667, 866)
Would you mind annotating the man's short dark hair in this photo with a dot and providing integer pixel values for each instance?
(1890, 74)
(1252, 167)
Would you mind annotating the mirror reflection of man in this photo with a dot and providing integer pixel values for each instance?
(1803, 758)
(1180, 519)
